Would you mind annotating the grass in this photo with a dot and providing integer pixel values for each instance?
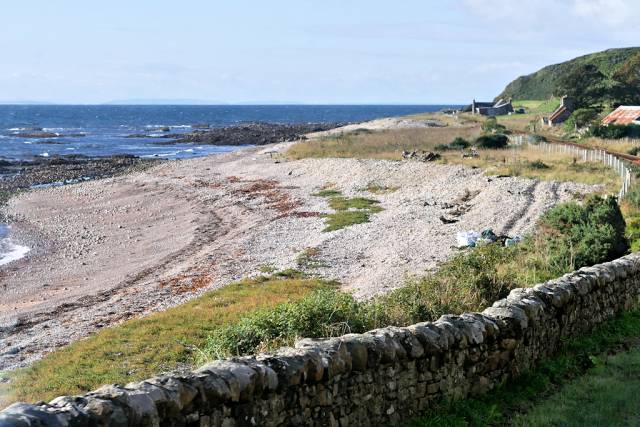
(521, 161)
(348, 210)
(605, 396)
(375, 188)
(503, 405)
(387, 144)
(144, 347)
(525, 161)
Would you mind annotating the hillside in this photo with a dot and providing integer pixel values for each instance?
(542, 83)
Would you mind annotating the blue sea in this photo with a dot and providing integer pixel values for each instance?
(102, 130)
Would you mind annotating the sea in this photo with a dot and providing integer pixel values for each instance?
(105, 130)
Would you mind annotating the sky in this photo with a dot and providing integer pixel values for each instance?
(295, 51)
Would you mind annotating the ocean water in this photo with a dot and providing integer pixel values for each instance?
(104, 128)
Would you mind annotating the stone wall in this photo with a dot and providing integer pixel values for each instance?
(383, 377)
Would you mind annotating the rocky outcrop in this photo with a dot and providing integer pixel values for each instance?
(253, 133)
(383, 377)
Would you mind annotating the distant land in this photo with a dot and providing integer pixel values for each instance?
(543, 83)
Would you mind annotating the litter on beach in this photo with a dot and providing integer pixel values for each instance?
(472, 238)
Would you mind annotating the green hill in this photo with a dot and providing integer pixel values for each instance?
(543, 83)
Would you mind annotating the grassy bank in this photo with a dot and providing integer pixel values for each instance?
(525, 161)
(386, 144)
(570, 236)
(605, 396)
(141, 348)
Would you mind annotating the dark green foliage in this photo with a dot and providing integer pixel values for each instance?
(544, 83)
(539, 164)
(456, 144)
(491, 125)
(459, 144)
(321, 314)
(582, 117)
(581, 235)
(615, 131)
(627, 82)
(634, 151)
(492, 141)
(584, 84)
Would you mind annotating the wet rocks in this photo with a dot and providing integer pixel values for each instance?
(252, 133)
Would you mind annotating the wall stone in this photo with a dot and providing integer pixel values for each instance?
(383, 377)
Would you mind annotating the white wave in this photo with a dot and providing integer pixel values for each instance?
(10, 251)
(156, 135)
(188, 150)
(174, 153)
(71, 148)
(28, 142)
(45, 154)
(180, 127)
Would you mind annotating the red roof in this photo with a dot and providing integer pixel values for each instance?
(622, 115)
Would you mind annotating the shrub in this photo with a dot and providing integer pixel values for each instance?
(634, 151)
(491, 125)
(539, 164)
(323, 313)
(459, 144)
(456, 144)
(492, 141)
(581, 117)
(615, 131)
(582, 235)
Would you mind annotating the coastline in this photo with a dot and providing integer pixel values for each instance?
(112, 249)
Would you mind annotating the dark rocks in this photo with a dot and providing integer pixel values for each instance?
(59, 170)
(252, 133)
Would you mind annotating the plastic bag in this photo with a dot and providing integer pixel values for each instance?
(467, 239)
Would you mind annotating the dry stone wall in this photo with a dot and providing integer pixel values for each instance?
(383, 377)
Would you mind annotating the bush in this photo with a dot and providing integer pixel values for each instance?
(581, 117)
(615, 131)
(456, 144)
(539, 164)
(459, 144)
(491, 125)
(582, 235)
(492, 141)
(323, 313)
(634, 151)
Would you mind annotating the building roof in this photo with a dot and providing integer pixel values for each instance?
(556, 114)
(623, 115)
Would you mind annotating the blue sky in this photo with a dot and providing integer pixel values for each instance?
(330, 51)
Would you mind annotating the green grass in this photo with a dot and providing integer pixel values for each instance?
(375, 188)
(502, 406)
(329, 192)
(347, 203)
(348, 210)
(144, 347)
(606, 396)
(343, 219)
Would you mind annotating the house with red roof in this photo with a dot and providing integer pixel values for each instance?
(623, 115)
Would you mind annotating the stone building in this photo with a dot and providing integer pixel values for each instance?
(491, 109)
(561, 114)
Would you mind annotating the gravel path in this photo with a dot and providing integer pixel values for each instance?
(108, 250)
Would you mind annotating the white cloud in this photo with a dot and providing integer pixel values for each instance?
(611, 12)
